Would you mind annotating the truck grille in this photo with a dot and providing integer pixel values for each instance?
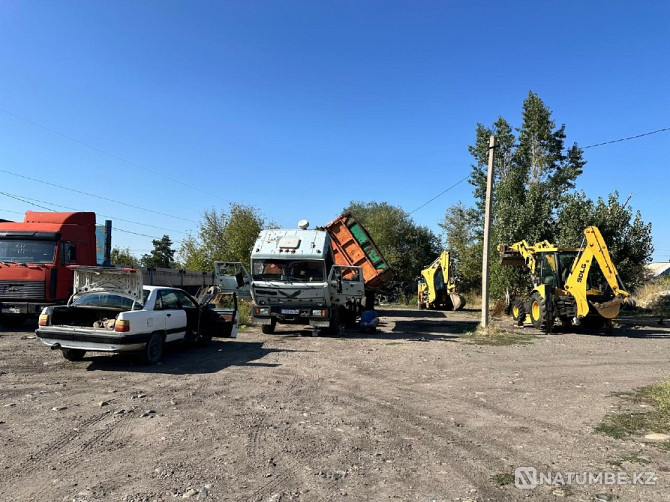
(27, 290)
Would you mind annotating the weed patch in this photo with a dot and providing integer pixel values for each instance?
(632, 458)
(628, 423)
(503, 478)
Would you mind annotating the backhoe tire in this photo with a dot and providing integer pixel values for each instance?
(518, 312)
(268, 329)
(593, 322)
(539, 314)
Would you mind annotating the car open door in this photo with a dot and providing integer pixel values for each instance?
(220, 315)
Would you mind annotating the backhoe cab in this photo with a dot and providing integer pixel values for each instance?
(562, 287)
(436, 288)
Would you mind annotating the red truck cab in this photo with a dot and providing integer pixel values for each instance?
(34, 255)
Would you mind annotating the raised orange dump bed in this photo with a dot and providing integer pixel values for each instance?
(352, 245)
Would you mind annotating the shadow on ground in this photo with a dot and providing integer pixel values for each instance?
(643, 328)
(186, 359)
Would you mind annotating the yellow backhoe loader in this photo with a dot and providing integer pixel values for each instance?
(436, 289)
(562, 287)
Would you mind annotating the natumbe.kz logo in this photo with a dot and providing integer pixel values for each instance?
(527, 478)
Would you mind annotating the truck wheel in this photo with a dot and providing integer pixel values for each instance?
(73, 354)
(153, 351)
(268, 329)
(12, 320)
(334, 328)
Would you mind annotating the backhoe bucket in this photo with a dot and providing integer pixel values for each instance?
(509, 256)
(609, 310)
(457, 301)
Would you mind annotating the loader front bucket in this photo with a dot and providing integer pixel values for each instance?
(457, 301)
(509, 256)
(609, 310)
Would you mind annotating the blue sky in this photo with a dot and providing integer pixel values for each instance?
(150, 113)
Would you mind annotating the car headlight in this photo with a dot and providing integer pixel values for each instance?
(319, 313)
(262, 310)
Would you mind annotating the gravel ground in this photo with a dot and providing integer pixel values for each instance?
(413, 412)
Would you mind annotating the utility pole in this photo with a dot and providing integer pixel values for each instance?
(487, 231)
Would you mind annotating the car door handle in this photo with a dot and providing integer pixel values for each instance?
(169, 315)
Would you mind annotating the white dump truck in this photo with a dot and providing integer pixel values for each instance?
(295, 280)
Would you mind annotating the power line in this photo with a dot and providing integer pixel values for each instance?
(21, 199)
(10, 211)
(440, 194)
(96, 196)
(628, 138)
(99, 150)
(584, 148)
(116, 229)
(33, 202)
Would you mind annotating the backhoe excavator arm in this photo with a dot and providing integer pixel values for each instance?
(441, 263)
(575, 284)
(436, 281)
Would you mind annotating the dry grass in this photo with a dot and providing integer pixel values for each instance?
(244, 309)
(652, 288)
(494, 335)
(655, 297)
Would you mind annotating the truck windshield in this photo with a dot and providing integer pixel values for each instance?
(289, 270)
(27, 251)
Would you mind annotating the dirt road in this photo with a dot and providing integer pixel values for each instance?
(413, 412)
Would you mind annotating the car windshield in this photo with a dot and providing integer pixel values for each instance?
(289, 270)
(27, 251)
(106, 300)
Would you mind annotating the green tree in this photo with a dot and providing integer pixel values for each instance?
(534, 199)
(627, 237)
(123, 257)
(462, 228)
(406, 246)
(162, 255)
(222, 237)
(533, 173)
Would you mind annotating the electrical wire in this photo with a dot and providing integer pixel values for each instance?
(33, 202)
(627, 139)
(116, 229)
(96, 196)
(583, 148)
(440, 194)
(99, 150)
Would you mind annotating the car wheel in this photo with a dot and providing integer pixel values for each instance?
(153, 351)
(73, 354)
(205, 336)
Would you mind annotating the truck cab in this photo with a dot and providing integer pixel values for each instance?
(295, 280)
(34, 256)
